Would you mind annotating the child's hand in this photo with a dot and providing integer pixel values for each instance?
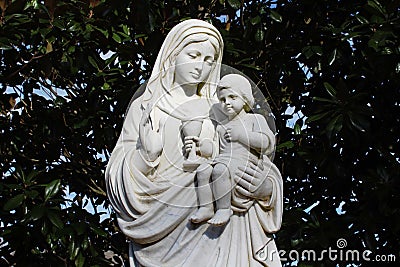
(190, 143)
(204, 146)
(234, 134)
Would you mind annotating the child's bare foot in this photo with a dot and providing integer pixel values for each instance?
(221, 217)
(202, 214)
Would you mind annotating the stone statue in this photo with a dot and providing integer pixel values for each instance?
(152, 193)
(243, 137)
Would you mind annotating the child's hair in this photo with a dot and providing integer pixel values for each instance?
(239, 84)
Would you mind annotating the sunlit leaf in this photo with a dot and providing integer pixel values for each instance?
(275, 16)
(116, 37)
(329, 88)
(259, 36)
(52, 189)
(361, 19)
(377, 6)
(287, 144)
(93, 62)
(106, 86)
(80, 260)
(235, 3)
(297, 129)
(332, 57)
(255, 20)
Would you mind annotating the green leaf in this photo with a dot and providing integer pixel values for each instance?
(106, 86)
(80, 260)
(32, 175)
(377, 6)
(116, 38)
(32, 194)
(335, 125)
(141, 35)
(297, 129)
(236, 4)
(307, 52)
(98, 231)
(317, 117)
(259, 36)
(111, 59)
(5, 46)
(361, 19)
(255, 20)
(14, 202)
(295, 242)
(81, 124)
(73, 249)
(320, 99)
(55, 219)
(37, 212)
(93, 62)
(358, 121)
(329, 88)
(317, 50)
(52, 189)
(251, 66)
(275, 16)
(287, 144)
(79, 227)
(125, 29)
(104, 32)
(332, 57)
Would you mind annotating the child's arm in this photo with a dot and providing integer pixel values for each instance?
(260, 137)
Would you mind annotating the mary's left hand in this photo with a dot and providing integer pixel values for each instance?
(252, 181)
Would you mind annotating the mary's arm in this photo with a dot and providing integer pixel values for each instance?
(262, 182)
(128, 168)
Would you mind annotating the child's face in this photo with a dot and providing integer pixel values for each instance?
(232, 103)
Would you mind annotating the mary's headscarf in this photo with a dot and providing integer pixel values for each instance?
(162, 76)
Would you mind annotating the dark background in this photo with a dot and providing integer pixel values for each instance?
(336, 65)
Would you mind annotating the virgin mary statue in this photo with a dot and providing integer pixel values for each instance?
(151, 193)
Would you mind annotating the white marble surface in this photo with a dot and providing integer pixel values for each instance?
(152, 193)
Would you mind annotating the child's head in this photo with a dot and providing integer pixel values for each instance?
(240, 85)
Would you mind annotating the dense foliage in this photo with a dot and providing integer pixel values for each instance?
(72, 67)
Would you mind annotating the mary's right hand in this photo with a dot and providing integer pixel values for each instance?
(150, 140)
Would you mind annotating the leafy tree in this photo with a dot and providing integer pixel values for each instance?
(74, 65)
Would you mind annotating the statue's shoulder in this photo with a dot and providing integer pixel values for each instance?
(255, 117)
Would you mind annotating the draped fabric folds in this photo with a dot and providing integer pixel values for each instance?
(153, 209)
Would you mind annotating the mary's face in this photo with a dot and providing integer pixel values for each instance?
(194, 63)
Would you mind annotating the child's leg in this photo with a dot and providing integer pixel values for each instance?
(204, 194)
(222, 188)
